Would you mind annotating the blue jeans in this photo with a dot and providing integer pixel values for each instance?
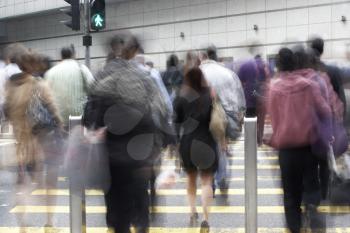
(221, 173)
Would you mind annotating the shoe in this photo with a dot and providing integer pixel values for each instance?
(223, 185)
(194, 218)
(204, 227)
(316, 221)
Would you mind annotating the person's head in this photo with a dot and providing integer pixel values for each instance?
(125, 46)
(212, 53)
(285, 60)
(12, 52)
(194, 79)
(29, 62)
(301, 57)
(44, 65)
(68, 52)
(173, 60)
(192, 60)
(318, 45)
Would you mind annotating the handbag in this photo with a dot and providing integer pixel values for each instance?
(87, 160)
(218, 122)
(38, 114)
(339, 186)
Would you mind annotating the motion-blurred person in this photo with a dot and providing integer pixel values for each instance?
(193, 109)
(309, 66)
(192, 60)
(129, 104)
(70, 82)
(253, 75)
(173, 76)
(229, 90)
(293, 102)
(333, 72)
(11, 54)
(27, 100)
(140, 60)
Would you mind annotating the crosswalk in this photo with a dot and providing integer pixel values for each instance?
(171, 214)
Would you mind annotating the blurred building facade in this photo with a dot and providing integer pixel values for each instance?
(167, 26)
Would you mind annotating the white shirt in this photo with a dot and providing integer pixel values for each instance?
(226, 85)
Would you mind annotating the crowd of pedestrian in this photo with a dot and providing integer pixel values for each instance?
(195, 107)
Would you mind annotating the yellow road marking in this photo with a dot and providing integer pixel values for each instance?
(61, 178)
(236, 167)
(162, 192)
(178, 209)
(260, 178)
(184, 179)
(240, 158)
(161, 230)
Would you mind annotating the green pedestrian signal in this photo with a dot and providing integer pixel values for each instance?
(98, 21)
(98, 15)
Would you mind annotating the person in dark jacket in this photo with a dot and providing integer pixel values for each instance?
(193, 109)
(333, 72)
(129, 105)
(173, 76)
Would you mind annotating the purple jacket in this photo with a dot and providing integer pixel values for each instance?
(252, 75)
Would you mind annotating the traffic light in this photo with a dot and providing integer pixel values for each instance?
(74, 12)
(97, 14)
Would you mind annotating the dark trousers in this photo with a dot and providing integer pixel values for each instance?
(127, 201)
(260, 113)
(250, 112)
(299, 169)
(324, 177)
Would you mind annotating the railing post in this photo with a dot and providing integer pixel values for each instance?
(250, 159)
(77, 210)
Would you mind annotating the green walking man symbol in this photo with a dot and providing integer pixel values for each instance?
(98, 20)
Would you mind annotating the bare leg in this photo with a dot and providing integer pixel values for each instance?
(207, 193)
(192, 191)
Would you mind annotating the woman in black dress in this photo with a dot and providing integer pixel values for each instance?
(192, 110)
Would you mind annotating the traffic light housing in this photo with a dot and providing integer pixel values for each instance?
(74, 12)
(97, 15)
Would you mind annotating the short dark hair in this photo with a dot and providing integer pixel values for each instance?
(68, 52)
(301, 58)
(318, 45)
(212, 54)
(285, 60)
(124, 44)
(173, 60)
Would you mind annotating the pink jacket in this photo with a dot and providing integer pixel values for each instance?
(293, 104)
(335, 103)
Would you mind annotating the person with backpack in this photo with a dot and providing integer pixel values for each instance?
(70, 83)
(229, 91)
(294, 105)
(30, 108)
(128, 104)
